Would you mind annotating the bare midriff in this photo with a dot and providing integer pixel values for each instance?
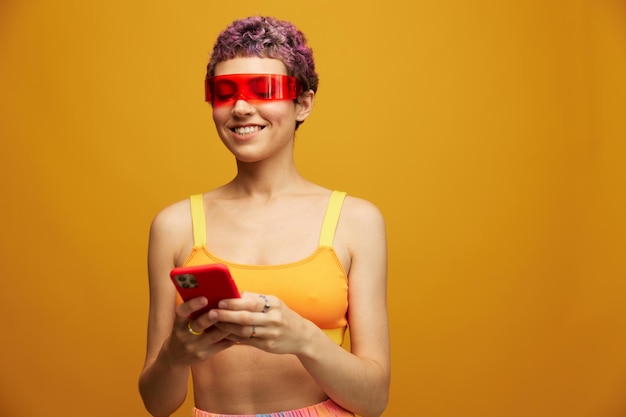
(246, 380)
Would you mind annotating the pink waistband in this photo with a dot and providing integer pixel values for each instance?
(327, 408)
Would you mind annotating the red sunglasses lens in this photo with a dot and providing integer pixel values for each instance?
(223, 89)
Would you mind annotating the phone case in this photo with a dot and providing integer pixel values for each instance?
(211, 281)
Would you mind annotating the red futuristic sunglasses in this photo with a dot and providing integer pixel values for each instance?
(224, 89)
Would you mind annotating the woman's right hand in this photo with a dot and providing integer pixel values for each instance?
(194, 340)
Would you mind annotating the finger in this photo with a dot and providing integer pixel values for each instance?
(240, 334)
(236, 317)
(249, 301)
(201, 323)
(196, 332)
(187, 308)
(266, 303)
(191, 330)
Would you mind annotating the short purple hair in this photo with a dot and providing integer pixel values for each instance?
(267, 37)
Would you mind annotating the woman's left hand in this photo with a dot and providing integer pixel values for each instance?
(263, 321)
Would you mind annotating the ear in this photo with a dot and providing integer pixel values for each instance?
(304, 106)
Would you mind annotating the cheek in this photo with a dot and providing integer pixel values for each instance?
(278, 111)
(220, 115)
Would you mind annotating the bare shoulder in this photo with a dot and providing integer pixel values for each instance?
(172, 218)
(362, 214)
(171, 233)
(362, 230)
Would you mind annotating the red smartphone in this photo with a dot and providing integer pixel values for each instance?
(211, 281)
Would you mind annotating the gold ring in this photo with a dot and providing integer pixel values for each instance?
(253, 331)
(192, 331)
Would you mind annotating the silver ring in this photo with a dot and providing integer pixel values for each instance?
(267, 305)
(253, 331)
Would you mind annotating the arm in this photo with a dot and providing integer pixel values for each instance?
(171, 349)
(357, 380)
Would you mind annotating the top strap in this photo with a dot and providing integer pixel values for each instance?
(198, 220)
(331, 218)
(327, 236)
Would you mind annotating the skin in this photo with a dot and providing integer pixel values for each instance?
(290, 363)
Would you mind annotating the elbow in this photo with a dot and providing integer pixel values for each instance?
(155, 404)
(376, 405)
(380, 399)
(158, 410)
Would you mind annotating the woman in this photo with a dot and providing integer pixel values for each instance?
(300, 253)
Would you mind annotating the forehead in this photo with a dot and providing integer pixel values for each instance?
(251, 65)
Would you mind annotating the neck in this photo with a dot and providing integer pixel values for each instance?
(266, 180)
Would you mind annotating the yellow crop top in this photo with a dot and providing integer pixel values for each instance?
(315, 287)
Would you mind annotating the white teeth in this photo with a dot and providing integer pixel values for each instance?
(246, 130)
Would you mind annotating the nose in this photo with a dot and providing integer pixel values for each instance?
(242, 107)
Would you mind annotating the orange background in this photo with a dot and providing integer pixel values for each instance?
(490, 133)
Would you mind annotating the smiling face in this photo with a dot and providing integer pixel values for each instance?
(256, 130)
